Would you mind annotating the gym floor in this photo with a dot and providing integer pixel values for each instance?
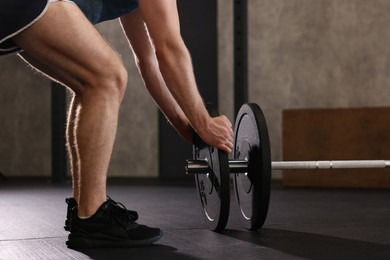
(301, 224)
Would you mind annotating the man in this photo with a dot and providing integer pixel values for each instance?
(58, 39)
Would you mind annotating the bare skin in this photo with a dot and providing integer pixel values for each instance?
(162, 19)
(147, 63)
(79, 58)
(82, 55)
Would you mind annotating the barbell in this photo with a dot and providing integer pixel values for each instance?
(241, 166)
(251, 168)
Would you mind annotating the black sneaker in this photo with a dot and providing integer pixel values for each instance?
(72, 205)
(133, 215)
(110, 226)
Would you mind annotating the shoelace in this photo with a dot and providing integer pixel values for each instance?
(120, 209)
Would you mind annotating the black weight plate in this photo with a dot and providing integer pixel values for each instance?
(214, 187)
(252, 189)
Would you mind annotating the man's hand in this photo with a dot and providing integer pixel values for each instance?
(218, 133)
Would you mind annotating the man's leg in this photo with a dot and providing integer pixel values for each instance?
(72, 120)
(74, 156)
(100, 80)
(65, 46)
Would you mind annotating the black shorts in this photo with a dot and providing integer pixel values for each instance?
(17, 15)
(98, 11)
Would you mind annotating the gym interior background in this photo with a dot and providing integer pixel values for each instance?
(301, 54)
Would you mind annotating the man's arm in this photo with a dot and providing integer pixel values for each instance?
(145, 58)
(175, 63)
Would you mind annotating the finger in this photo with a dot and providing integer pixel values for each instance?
(230, 145)
(228, 122)
(226, 149)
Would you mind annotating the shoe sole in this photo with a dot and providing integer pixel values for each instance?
(79, 240)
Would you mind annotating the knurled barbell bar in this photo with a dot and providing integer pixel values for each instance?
(251, 169)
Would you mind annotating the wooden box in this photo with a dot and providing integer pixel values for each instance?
(337, 134)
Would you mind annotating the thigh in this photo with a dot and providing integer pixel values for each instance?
(52, 72)
(64, 39)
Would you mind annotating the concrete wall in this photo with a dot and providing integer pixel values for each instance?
(303, 54)
(24, 120)
(313, 54)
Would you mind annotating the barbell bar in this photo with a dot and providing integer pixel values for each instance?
(241, 166)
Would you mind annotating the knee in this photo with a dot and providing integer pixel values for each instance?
(115, 81)
(108, 77)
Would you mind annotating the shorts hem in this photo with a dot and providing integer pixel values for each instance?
(15, 48)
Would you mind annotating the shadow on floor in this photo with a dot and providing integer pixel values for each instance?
(312, 246)
(160, 252)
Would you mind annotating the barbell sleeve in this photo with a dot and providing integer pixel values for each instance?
(197, 166)
(202, 166)
(241, 166)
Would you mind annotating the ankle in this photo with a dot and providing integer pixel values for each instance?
(86, 210)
